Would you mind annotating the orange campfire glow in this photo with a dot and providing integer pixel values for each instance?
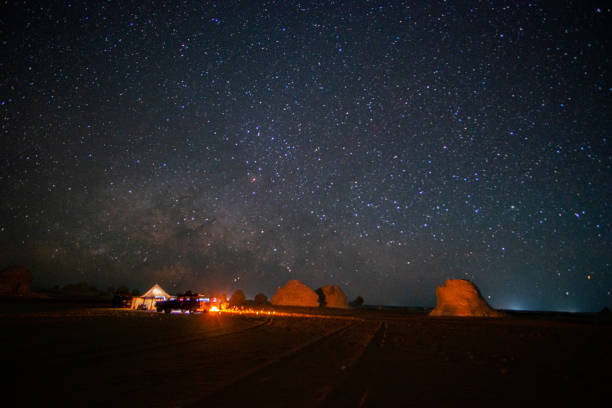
(264, 312)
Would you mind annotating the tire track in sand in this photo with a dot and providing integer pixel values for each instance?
(287, 379)
(138, 348)
(355, 388)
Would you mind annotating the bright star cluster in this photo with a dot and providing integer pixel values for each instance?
(381, 146)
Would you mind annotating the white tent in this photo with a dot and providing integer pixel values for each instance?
(153, 295)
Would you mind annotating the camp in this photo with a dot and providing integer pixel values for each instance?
(148, 300)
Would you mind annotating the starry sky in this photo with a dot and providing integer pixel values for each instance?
(383, 146)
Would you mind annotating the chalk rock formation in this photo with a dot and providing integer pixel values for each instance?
(333, 296)
(459, 297)
(16, 281)
(261, 299)
(295, 293)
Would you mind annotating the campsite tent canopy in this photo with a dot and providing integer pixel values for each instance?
(151, 296)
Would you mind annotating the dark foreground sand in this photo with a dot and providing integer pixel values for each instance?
(109, 357)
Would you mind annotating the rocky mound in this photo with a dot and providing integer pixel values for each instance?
(459, 297)
(295, 293)
(333, 296)
(16, 281)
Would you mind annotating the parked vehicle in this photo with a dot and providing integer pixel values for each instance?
(121, 299)
(185, 303)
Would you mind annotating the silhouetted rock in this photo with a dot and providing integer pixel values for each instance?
(16, 281)
(333, 296)
(358, 302)
(237, 298)
(459, 297)
(295, 293)
(605, 315)
(261, 299)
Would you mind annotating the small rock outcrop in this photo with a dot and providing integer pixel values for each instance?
(295, 293)
(237, 299)
(261, 299)
(459, 297)
(333, 296)
(15, 281)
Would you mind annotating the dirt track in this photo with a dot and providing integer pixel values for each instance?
(108, 357)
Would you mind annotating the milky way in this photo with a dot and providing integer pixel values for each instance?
(381, 146)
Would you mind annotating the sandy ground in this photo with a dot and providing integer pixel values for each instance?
(110, 357)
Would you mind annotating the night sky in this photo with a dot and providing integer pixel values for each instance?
(383, 146)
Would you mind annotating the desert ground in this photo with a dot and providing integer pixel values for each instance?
(85, 356)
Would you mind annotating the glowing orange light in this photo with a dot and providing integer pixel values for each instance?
(214, 309)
